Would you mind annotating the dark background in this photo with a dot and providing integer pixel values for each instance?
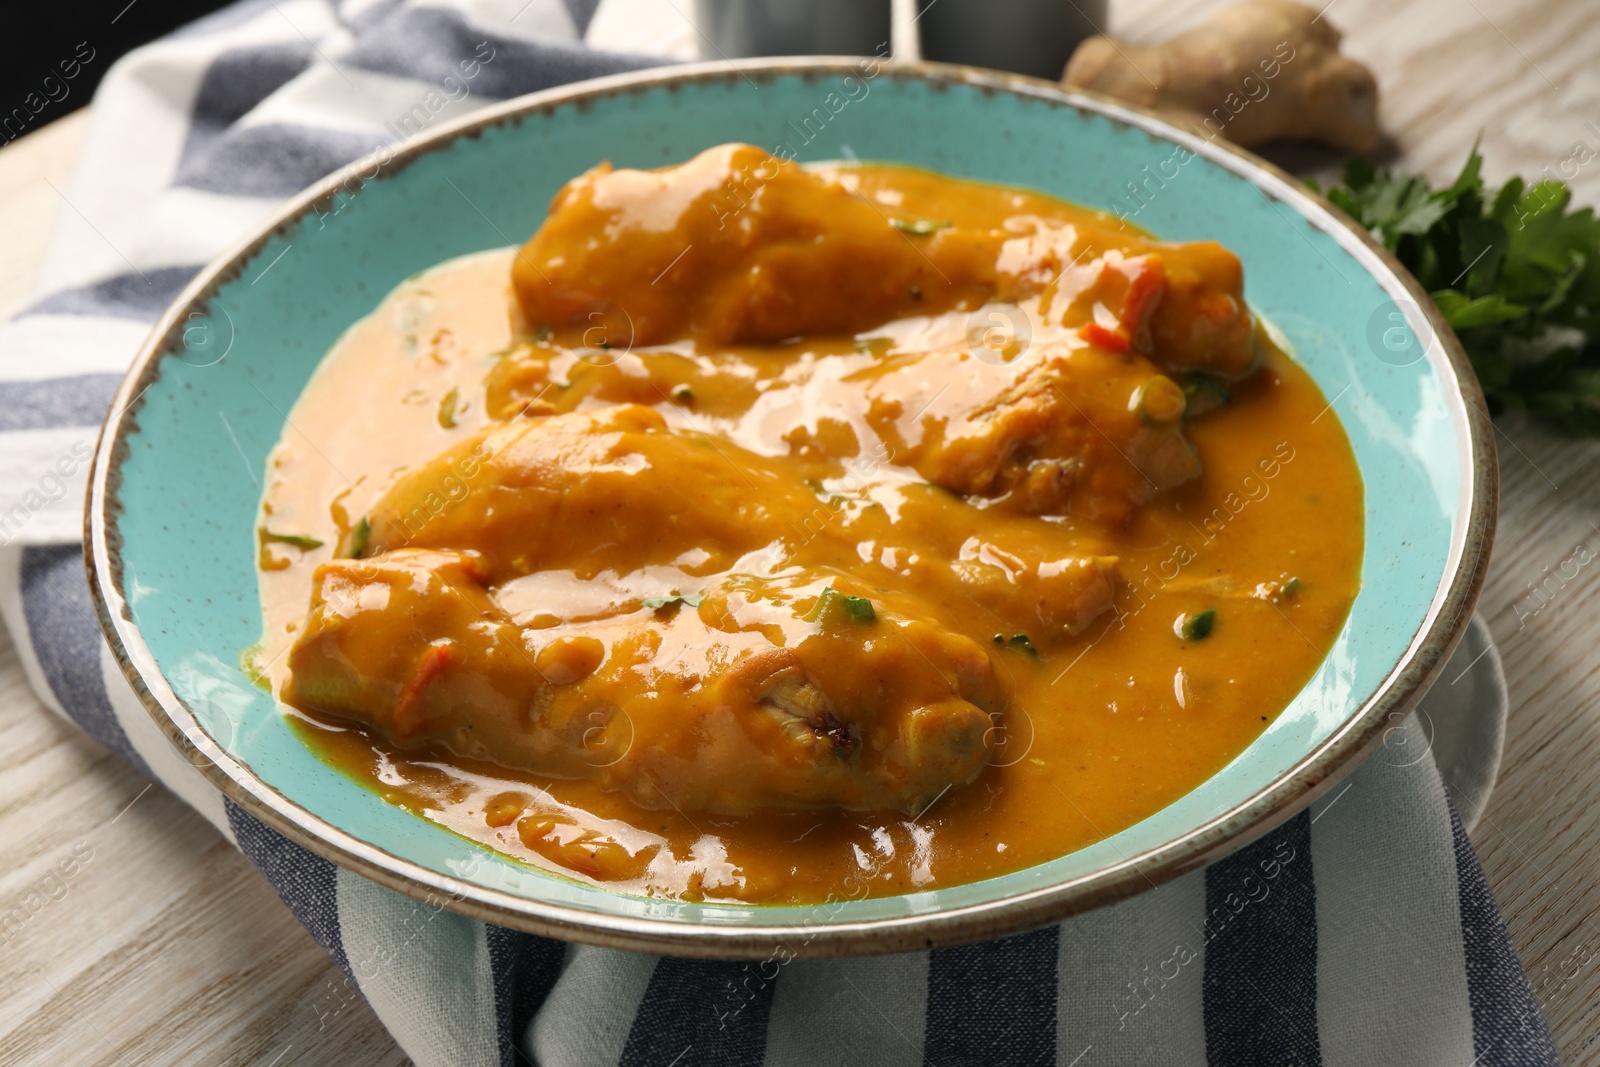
(39, 36)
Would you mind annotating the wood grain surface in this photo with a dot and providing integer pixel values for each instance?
(166, 947)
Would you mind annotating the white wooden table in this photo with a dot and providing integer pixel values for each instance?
(168, 948)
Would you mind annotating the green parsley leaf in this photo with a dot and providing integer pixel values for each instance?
(1516, 272)
(1466, 313)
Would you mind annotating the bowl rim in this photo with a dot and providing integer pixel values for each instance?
(1449, 611)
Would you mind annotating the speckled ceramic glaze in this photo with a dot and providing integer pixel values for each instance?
(172, 508)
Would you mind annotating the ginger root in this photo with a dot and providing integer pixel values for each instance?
(1255, 71)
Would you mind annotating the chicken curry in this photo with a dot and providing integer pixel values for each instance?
(768, 533)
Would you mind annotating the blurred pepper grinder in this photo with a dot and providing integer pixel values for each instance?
(732, 29)
(1034, 37)
(1025, 36)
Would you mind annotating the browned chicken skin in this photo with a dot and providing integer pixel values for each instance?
(738, 247)
(583, 491)
(693, 708)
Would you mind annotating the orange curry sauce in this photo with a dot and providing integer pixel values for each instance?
(762, 533)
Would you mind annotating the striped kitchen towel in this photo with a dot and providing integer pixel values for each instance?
(1360, 933)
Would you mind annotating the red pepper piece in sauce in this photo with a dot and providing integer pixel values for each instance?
(408, 718)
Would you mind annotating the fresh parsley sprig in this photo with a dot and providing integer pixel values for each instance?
(1515, 271)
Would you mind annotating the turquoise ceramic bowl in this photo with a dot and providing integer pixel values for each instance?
(246, 335)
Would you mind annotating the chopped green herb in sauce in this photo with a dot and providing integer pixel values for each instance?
(300, 541)
(828, 495)
(834, 607)
(359, 537)
(920, 227)
(447, 408)
(1204, 394)
(656, 603)
(250, 664)
(1196, 627)
(1158, 400)
(1017, 642)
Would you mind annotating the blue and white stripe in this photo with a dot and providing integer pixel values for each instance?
(1361, 932)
